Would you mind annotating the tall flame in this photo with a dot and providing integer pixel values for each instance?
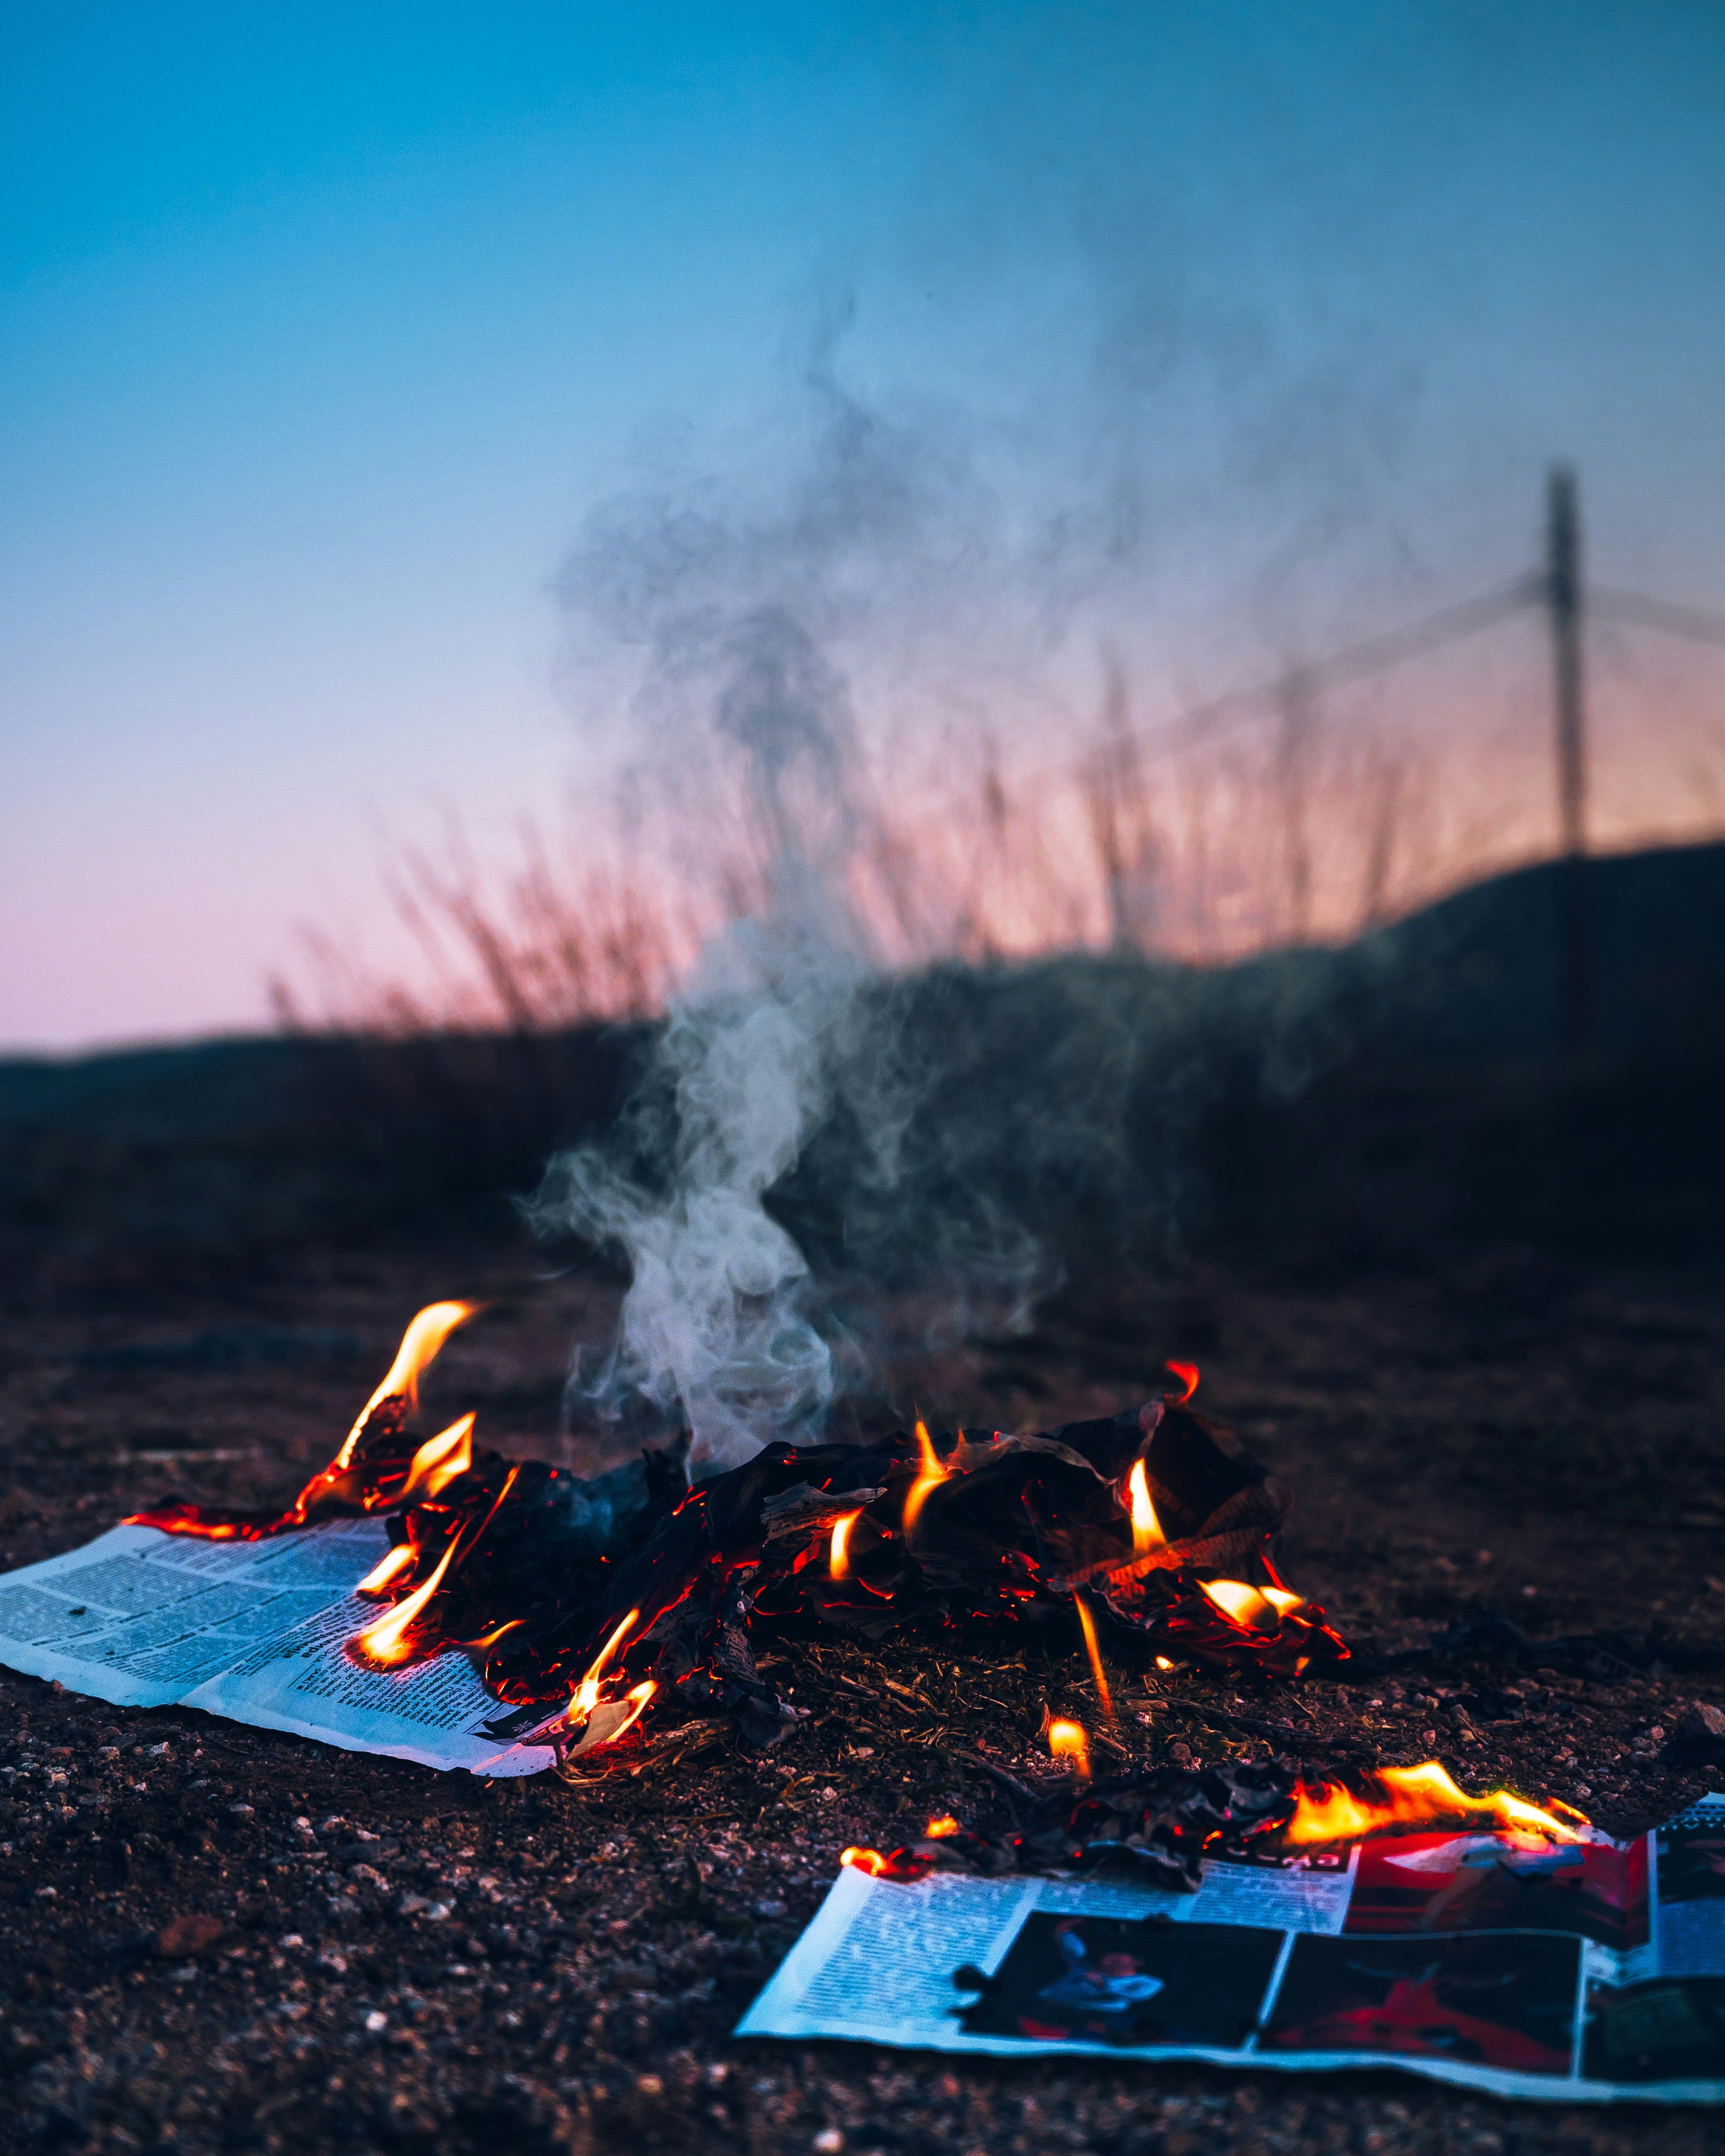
(1067, 1741)
(383, 1642)
(838, 1556)
(929, 1477)
(420, 1344)
(586, 1692)
(1092, 1648)
(1415, 1796)
(1146, 1528)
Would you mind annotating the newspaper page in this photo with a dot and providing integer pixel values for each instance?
(1502, 1962)
(255, 1631)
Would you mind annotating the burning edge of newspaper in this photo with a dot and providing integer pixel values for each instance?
(584, 1606)
(1538, 1960)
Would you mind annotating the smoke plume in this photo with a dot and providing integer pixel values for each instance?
(721, 1326)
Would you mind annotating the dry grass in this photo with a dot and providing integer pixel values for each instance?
(1310, 829)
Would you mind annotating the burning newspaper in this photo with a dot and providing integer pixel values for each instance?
(255, 1631)
(1580, 1968)
(427, 1598)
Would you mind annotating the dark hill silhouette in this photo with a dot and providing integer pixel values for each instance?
(1396, 1100)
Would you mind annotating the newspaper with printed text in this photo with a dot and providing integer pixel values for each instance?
(1504, 1962)
(256, 1631)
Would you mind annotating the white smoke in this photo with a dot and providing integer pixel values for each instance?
(718, 1327)
(731, 605)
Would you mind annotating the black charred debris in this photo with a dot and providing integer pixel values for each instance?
(938, 1536)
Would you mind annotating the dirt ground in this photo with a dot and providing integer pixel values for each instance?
(213, 1937)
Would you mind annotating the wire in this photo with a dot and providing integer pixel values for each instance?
(1696, 623)
(1380, 654)
(1356, 662)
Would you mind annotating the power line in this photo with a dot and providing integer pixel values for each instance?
(1696, 623)
(1357, 662)
(1248, 706)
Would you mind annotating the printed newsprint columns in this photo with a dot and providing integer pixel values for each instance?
(253, 1631)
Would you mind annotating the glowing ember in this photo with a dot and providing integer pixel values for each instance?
(939, 1830)
(1088, 1624)
(1187, 1373)
(419, 1346)
(389, 1567)
(1415, 1796)
(1067, 1741)
(864, 1860)
(1026, 1526)
(838, 1554)
(385, 1643)
(929, 1477)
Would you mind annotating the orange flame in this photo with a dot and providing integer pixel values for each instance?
(1249, 1607)
(864, 1860)
(939, 1830)
(383, 1642)
(586, 1692)
(930, 1477)
(839, 1558)
(642, 1693)
(1093, 1649)
(420, 1344)
(390, 1566)
(1415, 1796)
(441, 1460)
(1146, 1528)
(1187, 1373)
(1067, 1741)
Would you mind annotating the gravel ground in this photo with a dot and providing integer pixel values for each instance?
(215, 1938)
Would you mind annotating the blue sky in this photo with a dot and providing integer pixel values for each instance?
(327, 329)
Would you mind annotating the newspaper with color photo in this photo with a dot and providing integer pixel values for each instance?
(1499, 1961)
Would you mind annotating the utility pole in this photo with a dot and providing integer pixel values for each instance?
(1563, 598)
(1293, 775)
